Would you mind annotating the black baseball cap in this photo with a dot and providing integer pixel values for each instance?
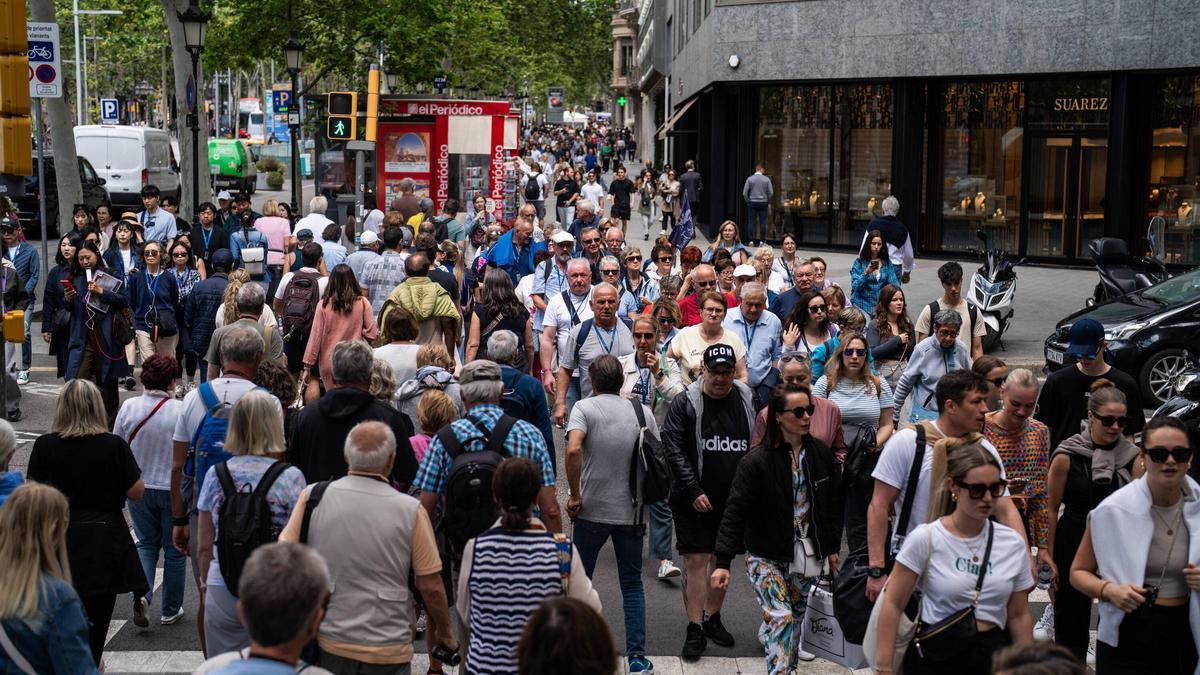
(719, 355)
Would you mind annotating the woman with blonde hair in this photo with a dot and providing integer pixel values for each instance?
(973, 573)
(254, 439)
(228, 311)
(435, 411)
(435, 369)
(40, 614)
(97, 472)
(729, 239)
(383, 381)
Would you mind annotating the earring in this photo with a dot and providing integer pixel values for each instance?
(953, 496)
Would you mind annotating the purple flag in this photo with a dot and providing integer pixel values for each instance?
(685, 229)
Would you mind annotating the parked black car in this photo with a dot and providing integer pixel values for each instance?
(94, 194)
(1152, 334)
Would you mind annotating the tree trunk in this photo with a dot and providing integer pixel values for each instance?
(61, 122)
(181, 62)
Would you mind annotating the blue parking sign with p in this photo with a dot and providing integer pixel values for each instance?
(282, 101)
(108, 109)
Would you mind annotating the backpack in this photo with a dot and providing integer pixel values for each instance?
(533, 189)
(972, 312)
(584, 329)
(253, 253)
(512, 404)
(649, 462)
(207, 447)
(470, 509)
(300, 305)
(243, 522)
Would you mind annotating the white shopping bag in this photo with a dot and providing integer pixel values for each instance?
(822, 635)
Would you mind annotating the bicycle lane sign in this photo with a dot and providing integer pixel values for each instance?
(45, 68)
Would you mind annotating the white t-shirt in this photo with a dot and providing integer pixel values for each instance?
(949, 583)
(978, 330)
(227, 389)
(896, 459)
(402, 358)
(267, 318)
(287, 278)
(687, 347)
(558, 316)
(594, 192)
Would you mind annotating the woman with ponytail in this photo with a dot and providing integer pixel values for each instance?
(516, 553)
(945, 556)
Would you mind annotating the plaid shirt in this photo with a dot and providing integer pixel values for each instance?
(381, 277)
(524, 440)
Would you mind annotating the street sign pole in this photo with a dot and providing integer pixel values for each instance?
(41, 174)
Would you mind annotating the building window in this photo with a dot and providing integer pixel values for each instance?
(697, 14)
(1174, 193)
(626, 58)
(828, 150)
(982, 137)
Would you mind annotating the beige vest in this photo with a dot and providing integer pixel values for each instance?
(363, 528)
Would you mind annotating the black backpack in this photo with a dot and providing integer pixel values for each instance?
(243, 522)
(470, 509)
(649, 462)
(300, 300)
(533, 189)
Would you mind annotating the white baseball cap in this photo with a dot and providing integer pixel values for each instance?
(224, 196)
(745, 270)
(562, 237)
(367, 238)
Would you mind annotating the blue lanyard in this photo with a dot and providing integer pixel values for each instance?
(746, 328)
(787, 270)
(612, 338)
(643, 382)
(207, 237)
(153, 287)
(181, 279)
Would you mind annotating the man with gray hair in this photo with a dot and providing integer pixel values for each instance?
(316, 221)
(373, 538)
(482, 426)
(281, 612)
(250, 300)
(932, 358)
(564, 312)
(321, 428)
(602, 334)
(523, 395)
(899, 243)
(585, 216)
(803, 273)
(762, 332)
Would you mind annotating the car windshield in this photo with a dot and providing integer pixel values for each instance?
(1176, 290)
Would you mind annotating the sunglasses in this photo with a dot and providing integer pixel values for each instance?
(150, 252)
(816, 309)
(591, 241)
(801, 410)
(976, 490)
(794, 356)
(856, 351)
(644, 336)
(610, 271)
(634, 258)
(666, 320)
(1158, 454)
(663, 259)
(999, 381)
(179, 254)
(706, 284)
(1110, 420)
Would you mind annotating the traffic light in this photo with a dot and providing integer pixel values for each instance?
(16, 149)
(372, 103)
(342, 123)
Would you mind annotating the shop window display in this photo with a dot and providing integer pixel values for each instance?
(1174, 185)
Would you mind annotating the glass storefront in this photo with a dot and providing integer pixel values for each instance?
(982, 139)
(1174, 185)
(828, 150)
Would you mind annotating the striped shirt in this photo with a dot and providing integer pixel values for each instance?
(857, 402)
(511, 573)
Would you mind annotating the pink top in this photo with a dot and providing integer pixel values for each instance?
(276, 230)
(330, 327)
(419, 443)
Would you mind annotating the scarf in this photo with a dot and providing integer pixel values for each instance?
(1106, 461)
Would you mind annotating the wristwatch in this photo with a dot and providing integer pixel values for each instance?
(875, 572)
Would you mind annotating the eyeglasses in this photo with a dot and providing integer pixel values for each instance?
(644, 336)
(1112, 420)
(1158, 455)
(976, 490)
(801, 410)
(947, 334)
(816, 309)
(856, 351)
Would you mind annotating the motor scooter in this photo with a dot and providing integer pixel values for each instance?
(993, 291)
(1121, 272)
(1184, 405)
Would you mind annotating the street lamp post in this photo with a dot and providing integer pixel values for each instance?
(195, 25)
(293, 55)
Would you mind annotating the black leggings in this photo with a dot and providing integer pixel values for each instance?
(1072, 609)
(976, 658)
(99, 610)
(668, 220)
(182, 358)
(1158, 643)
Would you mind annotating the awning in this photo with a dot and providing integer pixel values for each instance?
(661, 134)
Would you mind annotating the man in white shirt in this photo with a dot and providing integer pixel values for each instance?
(564, 311)
(973, 327)
(593, 192)
(962, 400)
(157, 224)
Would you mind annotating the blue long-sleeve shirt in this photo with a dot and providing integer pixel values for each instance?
(149, 295)
(865, 288)
(926, 366)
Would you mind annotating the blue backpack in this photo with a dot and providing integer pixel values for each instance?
(207, 447)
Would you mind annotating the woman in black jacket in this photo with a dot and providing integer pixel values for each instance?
(783, 510)
(56, 316)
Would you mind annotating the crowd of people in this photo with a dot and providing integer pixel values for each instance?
(369, 451)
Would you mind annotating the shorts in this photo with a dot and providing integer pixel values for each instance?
(621, 212)
(295, 358)
(695, 532)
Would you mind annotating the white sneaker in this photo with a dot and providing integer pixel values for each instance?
(668, 570)
(23, 377)
(422, 622)
(1043, 630)
(180, 390)
(805, 656)
(173, 619)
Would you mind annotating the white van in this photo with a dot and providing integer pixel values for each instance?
(129, 158)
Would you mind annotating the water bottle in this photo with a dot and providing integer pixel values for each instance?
(1045, 576)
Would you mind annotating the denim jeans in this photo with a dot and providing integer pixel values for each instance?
(151, 516)
(661, 529)
(27, 346)
(203, 368)
(574, 393)
(758, 220)
(627, 545)
(919, 413)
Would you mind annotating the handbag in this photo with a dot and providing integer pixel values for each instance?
(805, 560)
(647, 461)
(906, 627)
(61, 321)
(165, 324)
(122, 327)
(822, 633)
(949, 637)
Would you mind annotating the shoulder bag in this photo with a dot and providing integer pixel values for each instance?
(906, 627)
(15, 656)
(949, 637)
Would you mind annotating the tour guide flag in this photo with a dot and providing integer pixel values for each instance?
(684, 230)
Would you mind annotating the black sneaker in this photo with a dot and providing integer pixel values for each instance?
(15, 416)
(694, 644)
(715, 630)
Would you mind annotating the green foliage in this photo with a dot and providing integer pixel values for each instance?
(268, 164)
(275, 180)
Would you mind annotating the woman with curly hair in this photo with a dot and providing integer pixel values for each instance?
(343, 315)
(228, 311)
(808, 325)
